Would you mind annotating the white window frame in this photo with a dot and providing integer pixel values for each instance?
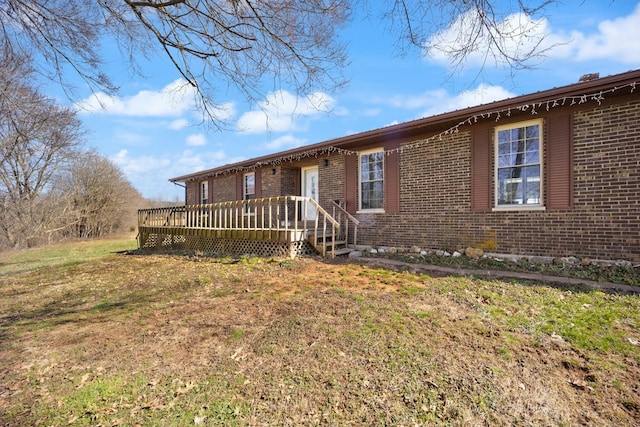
(540, 163)
(361, 181)
(245, 194)
(204, 192)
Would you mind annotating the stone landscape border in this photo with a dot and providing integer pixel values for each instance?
(502, 274)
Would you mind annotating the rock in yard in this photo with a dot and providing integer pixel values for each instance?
(474, 252)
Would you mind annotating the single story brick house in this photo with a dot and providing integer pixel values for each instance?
(553, 173)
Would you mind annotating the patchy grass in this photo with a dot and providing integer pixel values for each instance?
(92, 337)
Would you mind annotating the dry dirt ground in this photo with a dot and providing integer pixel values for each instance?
(174, 340)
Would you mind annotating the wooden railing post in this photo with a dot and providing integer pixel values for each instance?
(257, 217)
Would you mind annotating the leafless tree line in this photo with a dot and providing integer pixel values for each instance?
(50, 187)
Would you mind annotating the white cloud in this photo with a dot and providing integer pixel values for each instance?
(522, 35)
(286, 141)
(132, 166)
(221, 112)
(190, 161)
(173, 100)
(178, 124)
(196, 140)
(150, 174)
(281, 111)
(615, 40)
(147, 174)
(483, 94)
(440, 101)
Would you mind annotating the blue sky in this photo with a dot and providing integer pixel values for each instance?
(151, 131)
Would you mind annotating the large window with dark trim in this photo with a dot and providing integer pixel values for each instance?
(519, 165)
(372, 180)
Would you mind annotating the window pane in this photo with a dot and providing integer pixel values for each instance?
(249, 184)
(504, 160)
(531, 184)
(204, 192)
(371, 166)
(372, 195)
(519, 185)
(509, 186)
(533, 152)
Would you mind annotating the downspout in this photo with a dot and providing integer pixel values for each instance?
(185, 190)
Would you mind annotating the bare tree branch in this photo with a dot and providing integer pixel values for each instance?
(253, 44)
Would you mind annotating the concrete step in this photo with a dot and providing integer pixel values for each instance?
(343, 251)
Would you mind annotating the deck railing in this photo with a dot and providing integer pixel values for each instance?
(348, 223)
(299, 217)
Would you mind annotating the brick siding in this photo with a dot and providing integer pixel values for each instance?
(223, 188)
(603, 222)
(331, 181)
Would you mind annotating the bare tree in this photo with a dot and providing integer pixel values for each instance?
(35, 138)
(98, 199)
(248, 43)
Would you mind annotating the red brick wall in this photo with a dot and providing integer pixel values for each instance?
(271, 181)
(192, 192)
(289, 181)
(331, 181)
(223, 188)
(603, 221)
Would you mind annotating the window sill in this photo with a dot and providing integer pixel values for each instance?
(517, 208)
(370, 211)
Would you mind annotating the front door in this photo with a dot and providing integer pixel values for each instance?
(310, 188)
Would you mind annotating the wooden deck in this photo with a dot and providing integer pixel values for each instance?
(285, 224)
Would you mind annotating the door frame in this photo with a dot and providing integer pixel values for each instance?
(303, 187)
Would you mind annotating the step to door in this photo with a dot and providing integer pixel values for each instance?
(343, 251)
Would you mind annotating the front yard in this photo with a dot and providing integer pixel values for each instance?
(89, 336)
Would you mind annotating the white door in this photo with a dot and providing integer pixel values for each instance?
(310, 188)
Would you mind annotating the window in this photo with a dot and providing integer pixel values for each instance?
(519, 165)
(204, 192)
(249, 189)
(372, 180)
